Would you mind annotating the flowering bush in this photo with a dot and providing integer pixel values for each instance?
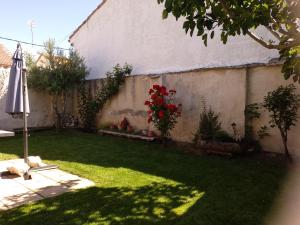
(163, 113)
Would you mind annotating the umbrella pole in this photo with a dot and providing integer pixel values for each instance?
(25, 129)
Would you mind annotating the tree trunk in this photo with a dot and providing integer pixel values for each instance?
(56, 113)
(58, 122)
(63, 111)
(286, 150)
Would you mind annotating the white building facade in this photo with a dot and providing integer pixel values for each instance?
(133, 31)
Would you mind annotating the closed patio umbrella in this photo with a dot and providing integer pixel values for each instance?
(17, 94)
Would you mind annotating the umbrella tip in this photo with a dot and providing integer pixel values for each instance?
(18, 52)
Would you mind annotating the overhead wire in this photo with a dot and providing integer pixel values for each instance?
(28, 43)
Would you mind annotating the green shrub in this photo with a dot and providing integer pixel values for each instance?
(223, 136)
(210, 128)
(283, 104)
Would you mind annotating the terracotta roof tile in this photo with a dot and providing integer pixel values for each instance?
(5, 57)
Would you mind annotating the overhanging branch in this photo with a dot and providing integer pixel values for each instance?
(261, 41)
(275, 34)
(271, 46)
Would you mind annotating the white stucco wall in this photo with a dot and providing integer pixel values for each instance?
(133, 31)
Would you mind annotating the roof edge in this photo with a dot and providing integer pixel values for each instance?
(87, 19)
(271, 63)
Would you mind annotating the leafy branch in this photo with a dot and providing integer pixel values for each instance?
(279, 17)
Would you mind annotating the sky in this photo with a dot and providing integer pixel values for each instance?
(55, 19)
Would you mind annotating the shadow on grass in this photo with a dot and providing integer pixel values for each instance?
(91, 149)
(238, 191)
(153, 204)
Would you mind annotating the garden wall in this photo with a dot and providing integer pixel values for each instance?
(40, 107)
(226, 90)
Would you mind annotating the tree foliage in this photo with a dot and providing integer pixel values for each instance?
(241, 17)
(57, 74)
(283, 104)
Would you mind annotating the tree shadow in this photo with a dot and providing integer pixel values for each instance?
(237, 191)
(153, 204)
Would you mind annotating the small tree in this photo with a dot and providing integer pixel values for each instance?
(57, 76)
(283, 104)
(163, 113)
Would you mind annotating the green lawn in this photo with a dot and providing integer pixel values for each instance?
(144, 183)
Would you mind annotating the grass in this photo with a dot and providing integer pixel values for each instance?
(144, 183)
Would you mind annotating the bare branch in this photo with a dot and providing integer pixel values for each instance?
(271, 46)
(261, 41)
(275, 34)
(280, 28)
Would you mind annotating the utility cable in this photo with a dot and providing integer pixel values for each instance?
(27, 43)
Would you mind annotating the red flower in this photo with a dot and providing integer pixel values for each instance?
(156, 87)
(151, 91)
(160, 101)
(153, 97)
(172, 107)
(161, 114)
(161, 107)
(163, 91)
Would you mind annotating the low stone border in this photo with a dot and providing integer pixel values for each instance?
(132, 136)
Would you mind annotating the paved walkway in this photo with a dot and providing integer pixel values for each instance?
(15, 191)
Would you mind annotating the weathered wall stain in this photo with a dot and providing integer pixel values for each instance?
(131, 112)
(224, 90)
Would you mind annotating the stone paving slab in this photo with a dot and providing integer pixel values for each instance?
(11, 188)
(15, 191)
(67, 179)
(16, 200)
